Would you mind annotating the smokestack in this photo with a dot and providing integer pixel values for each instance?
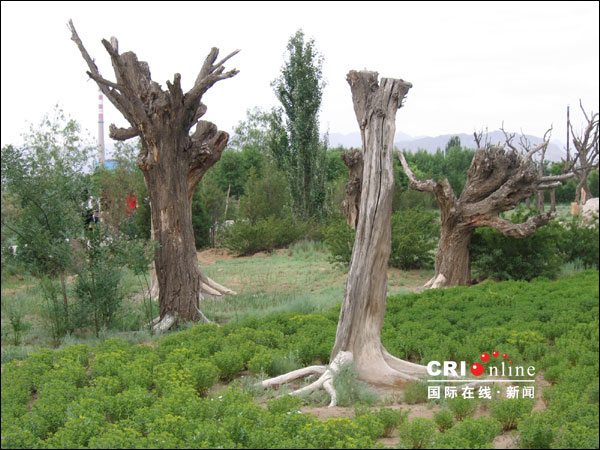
(101, 154)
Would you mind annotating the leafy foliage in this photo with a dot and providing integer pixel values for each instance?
(295, 144)
(414, 238)
(504, 258)
(246, 238)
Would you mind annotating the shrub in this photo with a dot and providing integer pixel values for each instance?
(462, 407)
(496, 256)
(350, 389)
(509, 411)
(229, 362)
(418, 433)
(370, 423)
(15, 312)
(262, 362)
(470, 433)
(415, 233)
(333, 433)
(339, 237)
(391, 419)
(245, 238)
(579, 242)
(444, 419)
(536, 431)
(415, 392)
(204, 375)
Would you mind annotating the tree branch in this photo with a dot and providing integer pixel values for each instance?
(208, 76)
(132, 91)
(515, 230)
(415, 183)
(116, 98)
(122, 134)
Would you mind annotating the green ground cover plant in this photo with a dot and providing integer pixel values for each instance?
(127, 395)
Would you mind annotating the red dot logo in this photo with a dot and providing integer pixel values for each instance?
(477, 369)
(495, 354)
(485, 357)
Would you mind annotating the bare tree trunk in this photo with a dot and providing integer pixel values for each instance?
(363, 308)
(453, 259)
(172, 160)
(358, 336)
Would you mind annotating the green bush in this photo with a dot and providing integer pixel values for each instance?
(444, 419)
(262, 362)
(371, 424)
(229, 362)
(509, 411)
(415, 233)
(339, 237)
(536, 431)
(391, 419)
(580, 242)
(418, 433)
(204, 375)
(245, 238)
(333, 433)
(496, 256)
(415, 392)
(350, 389)
(470, 433)
(462, 407)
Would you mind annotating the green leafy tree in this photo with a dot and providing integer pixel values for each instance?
(98, 284)
(266, 195)
(200, 221)
(114, 185)
(295, 143)
(46, 177)
(213, 199)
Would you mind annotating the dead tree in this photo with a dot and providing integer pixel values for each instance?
(498, 179)
(358, 336)
(525, 145)
(586, 156)
(173, 161)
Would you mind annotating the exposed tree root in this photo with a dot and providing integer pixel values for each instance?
(211, 287)
(436, 282)
(391, 371)
(325, 381)
(163, 324)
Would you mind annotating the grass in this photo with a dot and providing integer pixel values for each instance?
(298, 279)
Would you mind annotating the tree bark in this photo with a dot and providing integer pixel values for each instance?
(453, 259)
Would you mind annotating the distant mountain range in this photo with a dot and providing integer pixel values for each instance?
(431, 144)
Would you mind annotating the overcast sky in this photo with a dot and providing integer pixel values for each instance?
(472, 65)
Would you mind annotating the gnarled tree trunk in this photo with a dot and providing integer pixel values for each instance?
(497, 180)
(172, 161)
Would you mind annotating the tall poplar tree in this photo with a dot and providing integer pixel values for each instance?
(295, 142)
